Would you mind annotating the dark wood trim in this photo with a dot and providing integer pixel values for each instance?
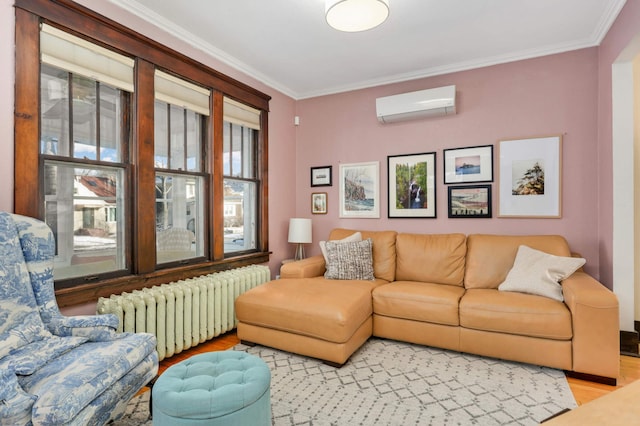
(27, 116)
(611, 381)
(143, 184)
(91, 292)
(263, 170)
(629, 343)
(217, 164)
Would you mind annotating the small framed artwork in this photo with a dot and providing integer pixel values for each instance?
(412, 185)
(321, 176)
(530, 177)
(470, 201)
(465, 165)
(360, 190)
(319, 203)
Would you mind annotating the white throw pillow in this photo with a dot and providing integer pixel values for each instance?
(355, 237)
(539, 273)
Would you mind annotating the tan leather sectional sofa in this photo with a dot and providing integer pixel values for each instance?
(438, 290)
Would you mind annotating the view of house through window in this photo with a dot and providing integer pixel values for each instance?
(83, 138)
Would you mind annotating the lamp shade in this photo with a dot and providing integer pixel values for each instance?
(356, 15)
(300, 230)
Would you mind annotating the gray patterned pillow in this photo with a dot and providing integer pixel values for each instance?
(350, 260)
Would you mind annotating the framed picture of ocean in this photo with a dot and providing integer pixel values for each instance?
(470, 164)
(360, 190)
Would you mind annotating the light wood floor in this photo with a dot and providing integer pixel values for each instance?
(583, 391)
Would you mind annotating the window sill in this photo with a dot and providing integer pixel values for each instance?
(86, 293)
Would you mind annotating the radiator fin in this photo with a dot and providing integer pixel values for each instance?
(184, 313)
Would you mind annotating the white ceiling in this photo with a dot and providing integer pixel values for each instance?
(288, 45)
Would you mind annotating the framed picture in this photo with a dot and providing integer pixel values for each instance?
(412, 185)
(321, 176)
(472, 164)
(360, 190)
(470, 201)
(530, 177)
(319, 203)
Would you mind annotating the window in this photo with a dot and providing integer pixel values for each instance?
(84, 137)
(142, 183)
(181, 109)
(241, 126)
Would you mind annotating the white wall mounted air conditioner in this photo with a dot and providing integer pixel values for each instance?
(420, 104)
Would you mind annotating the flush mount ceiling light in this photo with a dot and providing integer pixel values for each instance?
(356, 15)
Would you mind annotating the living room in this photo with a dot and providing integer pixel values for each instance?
(568, 94)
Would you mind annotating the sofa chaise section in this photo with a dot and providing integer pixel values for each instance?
(307, 314)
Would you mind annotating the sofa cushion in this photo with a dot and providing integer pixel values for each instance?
(20, 322)
(316, 307)
(435, 303)
(351, 238)
(435, 258)
(515, 313)
(490, 257)
(349, 261)
(536, 272)
(68, 383)
(384, 250)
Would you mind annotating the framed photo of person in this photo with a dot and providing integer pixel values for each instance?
(412, 185)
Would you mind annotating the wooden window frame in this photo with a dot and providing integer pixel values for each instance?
(148, 55)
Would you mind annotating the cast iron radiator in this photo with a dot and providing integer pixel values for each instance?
(184, 313)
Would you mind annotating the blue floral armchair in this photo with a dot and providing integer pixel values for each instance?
(57, 370)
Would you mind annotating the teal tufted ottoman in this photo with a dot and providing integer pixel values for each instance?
(229, 388)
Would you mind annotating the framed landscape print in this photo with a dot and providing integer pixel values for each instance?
(412, 185)
(530, 180)
(319, 203)
(470, 201)
(321, 176)
(360, 190)
(472, 164)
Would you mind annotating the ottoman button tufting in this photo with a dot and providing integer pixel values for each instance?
(217, 388)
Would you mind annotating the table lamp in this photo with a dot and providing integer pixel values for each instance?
(300, 234)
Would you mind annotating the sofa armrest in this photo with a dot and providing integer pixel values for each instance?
(596, 329)
(97, 328)
(306, 268)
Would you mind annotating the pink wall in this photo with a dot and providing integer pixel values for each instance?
(551, 95)
(625, 28)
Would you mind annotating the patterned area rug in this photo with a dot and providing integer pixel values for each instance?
(394, 383)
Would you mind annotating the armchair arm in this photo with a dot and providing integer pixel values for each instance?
(97, 328)
(596, 330)
(306, 268)
(15, 403)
